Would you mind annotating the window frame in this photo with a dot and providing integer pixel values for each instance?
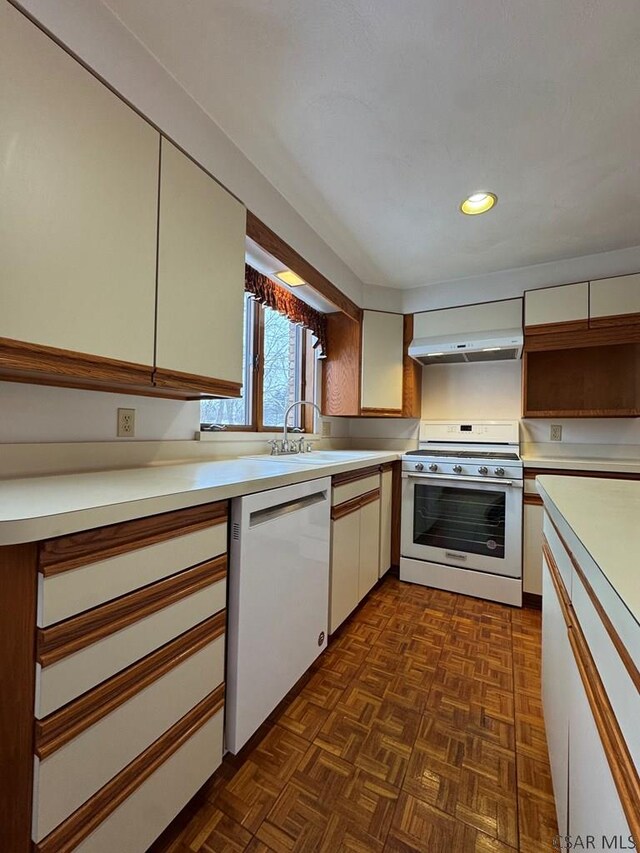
(254, 374)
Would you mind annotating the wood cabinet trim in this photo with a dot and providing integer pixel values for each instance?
(411, 374)
(65, 638)
(532, 473)
(341, 370)
(369, 497)
(532, 500)
(614, 320)
(625, 774)
(354, 476)
(276, 246)
(70, 721)
(18, 595)
(29, 360)
(566, 326)
(193, 386)
(91, 814)
(554, 339)
(345, 508)
(90, 546)
(370, 412)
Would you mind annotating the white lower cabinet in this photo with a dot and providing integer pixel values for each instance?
(355, 547)
(345, 564)
(532, 548)
(386, 520)
(556, 665)
(369, 562)
(595, 810)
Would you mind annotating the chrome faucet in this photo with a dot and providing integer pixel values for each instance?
(285, 441)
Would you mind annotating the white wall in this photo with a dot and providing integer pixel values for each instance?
(511, 283)
(478, 391)
(34, 413)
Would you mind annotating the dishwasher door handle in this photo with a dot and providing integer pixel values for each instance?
(270, 513)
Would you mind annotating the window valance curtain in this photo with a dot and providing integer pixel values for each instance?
(269, 293)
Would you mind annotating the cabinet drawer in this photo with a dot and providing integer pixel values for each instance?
(78, 654)
(559, 552)
(354, 489)
(86, 569)
(130, 812)
(618, 679)
(68, 593)
(70, 775)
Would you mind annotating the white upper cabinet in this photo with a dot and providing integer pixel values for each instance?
(78, 204)
(613, 297)
(565, 304)
(485, 317)
(200, 272)
(382, 348)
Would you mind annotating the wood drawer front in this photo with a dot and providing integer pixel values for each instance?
(69, 776)
(562, 558)
(622, 683)
(66, 679)
(67, 593)
(348, 491)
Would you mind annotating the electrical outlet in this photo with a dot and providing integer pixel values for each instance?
(555, 433)
(326, 429)
(126, 423)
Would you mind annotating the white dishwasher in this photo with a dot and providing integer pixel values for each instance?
(278, 599)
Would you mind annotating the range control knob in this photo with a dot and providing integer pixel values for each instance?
(457, 469)
(499, 472)
(483, 469)
(419, 466)
(433, 467)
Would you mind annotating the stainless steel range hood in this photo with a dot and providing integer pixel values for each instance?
(501, 345)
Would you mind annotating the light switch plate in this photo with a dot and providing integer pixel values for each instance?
(326, 428)
(555, 432)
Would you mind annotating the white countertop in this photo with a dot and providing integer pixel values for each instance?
(605, 516)
(37, 508)
(616, 459)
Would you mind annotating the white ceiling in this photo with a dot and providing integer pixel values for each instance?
(374, 118)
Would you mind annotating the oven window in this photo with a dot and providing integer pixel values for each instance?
(470, 521)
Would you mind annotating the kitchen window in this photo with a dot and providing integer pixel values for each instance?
(278, 368)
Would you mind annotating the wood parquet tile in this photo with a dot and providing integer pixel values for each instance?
(419, 729)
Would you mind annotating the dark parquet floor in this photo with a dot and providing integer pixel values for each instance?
(419, 729)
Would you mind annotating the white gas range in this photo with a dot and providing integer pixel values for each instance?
(462, 509)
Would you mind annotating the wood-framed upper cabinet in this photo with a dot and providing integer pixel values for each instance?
(614, 301)
(367, 370)
(200, 281)
(78, 211)
(558, 309)
(381, 363)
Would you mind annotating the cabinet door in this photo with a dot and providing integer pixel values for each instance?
(200, 274)
(369, 564)
(568, 303)
(613, 300)
(382, 341)
(557, 660)
(345, 560)
(594, 804)
(386, 490)
(78, 216)
(532, 548)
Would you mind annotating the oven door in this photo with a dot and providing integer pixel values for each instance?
(464, 522)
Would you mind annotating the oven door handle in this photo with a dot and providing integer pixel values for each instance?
(516, 484)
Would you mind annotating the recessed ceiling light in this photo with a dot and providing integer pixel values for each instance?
(478, 203)
(289, 277)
